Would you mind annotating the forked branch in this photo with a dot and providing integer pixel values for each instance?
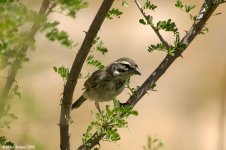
(205, 13)
(153, 27)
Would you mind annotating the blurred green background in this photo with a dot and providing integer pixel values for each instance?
(186, 110)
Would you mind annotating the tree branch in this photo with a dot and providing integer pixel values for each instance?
(153, 27)
(75, 71)
(204, 14)
(16, 65)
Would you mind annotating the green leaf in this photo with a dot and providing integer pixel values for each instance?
(108, 122)
(71, 7)
(142, 21)
(91, 61)
(188, 8)
(135, 113)
(6, 144)
(114, 12)
(101, 48)
(62, 71)
(179, 4)
(149, 19)
(149, 5)
(167, 26)
(125, 3)
(53, 34)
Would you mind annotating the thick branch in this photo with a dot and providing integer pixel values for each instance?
(75, 71)
(168, 60)
(17, 63)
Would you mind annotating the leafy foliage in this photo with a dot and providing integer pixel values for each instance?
(171, 49)
(125, 3)
(53, 34)
(149, 5)
(132, 90)
(12, 39)
(94, 62)
(71, 7)
(108, 122)
(114, 12)
(149, 21)
(97, 45)
(6, 144)
(62, 71)
(153, 144)
(186, 8)
(167, 26)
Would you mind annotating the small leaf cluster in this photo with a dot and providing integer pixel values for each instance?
(71, 7)
(98, 46)
(161, 47)
(167, 26)
(62, 71)
(148, 21)
(132, 90)
(125, 3)
(53, 34)
(94, 62)
(114, 12)
(171, 49)
(153, 144)
(5, 144)
(108, 122)
(149, 5)
(187, 8)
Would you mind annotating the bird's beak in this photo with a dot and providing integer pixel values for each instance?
(137, 71)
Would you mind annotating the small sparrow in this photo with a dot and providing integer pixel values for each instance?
(105, 84)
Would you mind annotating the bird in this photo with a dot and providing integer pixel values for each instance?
(106, 83)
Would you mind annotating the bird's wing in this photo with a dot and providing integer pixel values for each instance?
(97, 77)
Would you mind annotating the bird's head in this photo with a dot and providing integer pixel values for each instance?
(124, 67)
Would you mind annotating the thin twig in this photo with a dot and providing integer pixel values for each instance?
(166, 63)
(155, 30)
(75, 71)
(50, 10)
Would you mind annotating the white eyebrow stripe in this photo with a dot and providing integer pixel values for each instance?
(125, 62)
(122, 62)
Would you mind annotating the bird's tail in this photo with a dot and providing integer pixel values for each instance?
(78, 103)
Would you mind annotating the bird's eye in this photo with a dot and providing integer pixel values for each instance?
(127, 66)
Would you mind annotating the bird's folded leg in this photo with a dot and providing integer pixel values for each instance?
(98, 106)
